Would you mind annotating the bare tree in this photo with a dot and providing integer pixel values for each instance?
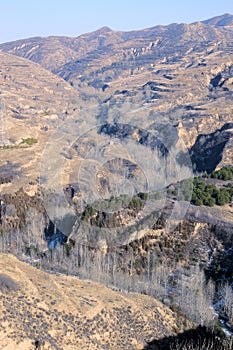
(228, 302)
(195, 296)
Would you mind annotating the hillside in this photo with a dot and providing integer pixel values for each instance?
(97, 135)
(66, 313)
(180, 73)
(33, 103)
(162, 92)
(52, 52)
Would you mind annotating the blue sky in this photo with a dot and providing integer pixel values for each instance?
(27, 18)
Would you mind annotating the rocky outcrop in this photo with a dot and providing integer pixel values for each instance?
(208, 150)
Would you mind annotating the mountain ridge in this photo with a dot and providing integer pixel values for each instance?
(62, 49)
(220, 21)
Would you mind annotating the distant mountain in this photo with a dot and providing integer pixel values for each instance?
(124, 50)
(220, 21)
(55, 51)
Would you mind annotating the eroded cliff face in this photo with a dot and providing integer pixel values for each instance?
(210, 151)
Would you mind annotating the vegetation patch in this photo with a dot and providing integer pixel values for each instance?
(226, 174)
(210, 194)
(200, 192)
(29, 141)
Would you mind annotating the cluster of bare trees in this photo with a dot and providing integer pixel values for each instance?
(124, 268)
(203, 345)
(185, 288)
(226, 301)
(195, 295)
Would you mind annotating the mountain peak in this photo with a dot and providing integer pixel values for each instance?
(103, 30)
(220, 21)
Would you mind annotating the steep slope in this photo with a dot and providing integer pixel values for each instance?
(63, 312)
(49, 52)
(144, 48)
(35, 102)
(150, 90)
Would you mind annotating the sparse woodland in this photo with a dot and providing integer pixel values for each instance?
(164, 267)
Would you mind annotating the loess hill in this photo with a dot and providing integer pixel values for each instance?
(181, 74)
(63, 312)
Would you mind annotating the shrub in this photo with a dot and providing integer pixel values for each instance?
(30, 249)
(7, 283)
(157, 196)
(226, 173)
(135, 203)
(88, 213)
(209, 201)
(223, 197)
(68, 248)
(143, 196)
(29, 141)
(210, 194)
(186, 187)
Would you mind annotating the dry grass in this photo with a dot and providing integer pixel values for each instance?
(67, 313)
